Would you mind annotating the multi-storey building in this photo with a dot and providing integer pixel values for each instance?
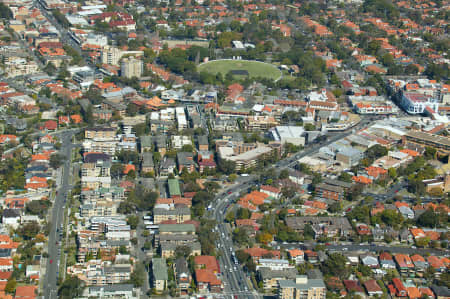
(302, 288)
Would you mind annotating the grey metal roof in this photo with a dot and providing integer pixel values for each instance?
(159, 268)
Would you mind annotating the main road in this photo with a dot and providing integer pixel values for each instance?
(57, 217)
(236, 282)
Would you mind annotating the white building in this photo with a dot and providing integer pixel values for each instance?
(289, 134)
(96, 39)
(274, 264)
(416, 103)
(181, 118)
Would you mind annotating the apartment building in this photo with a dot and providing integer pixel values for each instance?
(131, 67)
(245, 159)
(159, 270)
(180, 214)
(302, 288)
(112, 55)
(260, 122)
(100, 133)
(329, 192)
(100, 146)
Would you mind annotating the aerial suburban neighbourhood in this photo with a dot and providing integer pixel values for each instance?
(230, 149)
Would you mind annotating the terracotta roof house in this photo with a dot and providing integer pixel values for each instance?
(373, 288)
(207, 262)
(26, 292)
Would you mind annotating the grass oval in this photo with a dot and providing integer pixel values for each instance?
(254, 68)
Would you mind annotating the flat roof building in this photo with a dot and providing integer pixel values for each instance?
(418, 140)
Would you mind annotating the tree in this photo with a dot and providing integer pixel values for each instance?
(227, 167)
(37, 207)
(50, 69)
(230, 217)
(11, 285)
(137, 276)
(430, 153)
(232, 177)
(5, 12)
(123, 249)
(240, 236)
(335, 207)
(29, 230)
(428, 219)
(345, 177)
(391, 217)
(133, 221)
(61, 18)
(88, 116)
(308, 232)
(63, 73)
(264, 238)
(182, 251)
(117, 170)
(422, 242)
(336, 265)
(71, 287)
(284, 174)
(147, 245)
(376, 151)
(243, 213)
(392, 173)
(56, 160)
(187, 148)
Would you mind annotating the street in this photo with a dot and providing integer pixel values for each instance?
(57, 216)
(141, 255)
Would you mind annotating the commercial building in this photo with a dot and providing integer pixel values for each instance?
(289, 134)
(416, 103)
(418, 140)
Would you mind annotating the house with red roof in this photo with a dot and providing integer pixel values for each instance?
(271, 191)
(207, 262)
(363, 229)
(248, 223)
(354, 287)
(404, 264)
(26, 292)
(207, 281)
(50, 125)
(6, 264)
(397, 288)
(8, 138)
(372, 288)
(297, 255)
(256, 253)
(128, 168)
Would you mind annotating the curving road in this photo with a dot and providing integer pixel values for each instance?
(236, 282)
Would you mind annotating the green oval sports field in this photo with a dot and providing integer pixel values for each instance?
(254, 68)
